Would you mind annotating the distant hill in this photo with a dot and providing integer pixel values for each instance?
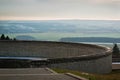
(25, 37)
(91, 39)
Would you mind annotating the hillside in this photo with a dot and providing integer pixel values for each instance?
(91, 39)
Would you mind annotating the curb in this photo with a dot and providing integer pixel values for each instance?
(52, 71)
(75, 76)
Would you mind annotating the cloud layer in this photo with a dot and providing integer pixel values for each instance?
(53, 9)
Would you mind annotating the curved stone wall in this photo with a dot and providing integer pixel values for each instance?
(76, 56)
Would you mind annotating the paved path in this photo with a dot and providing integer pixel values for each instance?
(35, 74)
(26, 71)
(37, 77)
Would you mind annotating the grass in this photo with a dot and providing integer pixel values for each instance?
(114, 75)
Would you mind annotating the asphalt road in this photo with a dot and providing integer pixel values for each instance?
(34, 74)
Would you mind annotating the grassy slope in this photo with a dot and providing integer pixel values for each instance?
(114, 75)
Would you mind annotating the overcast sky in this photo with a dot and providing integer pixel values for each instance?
(59, 9)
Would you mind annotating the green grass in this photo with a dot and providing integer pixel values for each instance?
(114, 75)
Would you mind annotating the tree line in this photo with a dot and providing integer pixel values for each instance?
(3, 37)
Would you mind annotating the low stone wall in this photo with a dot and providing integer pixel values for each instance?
(75, 56)
(100, 65)
(14, 63)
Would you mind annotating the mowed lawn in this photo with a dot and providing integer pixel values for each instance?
(114, 75)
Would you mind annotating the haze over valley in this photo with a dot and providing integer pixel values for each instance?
(56, 29)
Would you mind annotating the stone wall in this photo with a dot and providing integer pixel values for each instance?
(88, 58)
(100, 65)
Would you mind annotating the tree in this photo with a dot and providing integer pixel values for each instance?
(2, 37)
(116, 49)
(14, 39)
(7, 38)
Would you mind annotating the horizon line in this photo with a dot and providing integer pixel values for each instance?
(57, 19)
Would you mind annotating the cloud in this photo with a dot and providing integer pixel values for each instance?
(59, 8)
(106, 2)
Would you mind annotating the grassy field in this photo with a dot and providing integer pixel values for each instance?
(114, 75)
